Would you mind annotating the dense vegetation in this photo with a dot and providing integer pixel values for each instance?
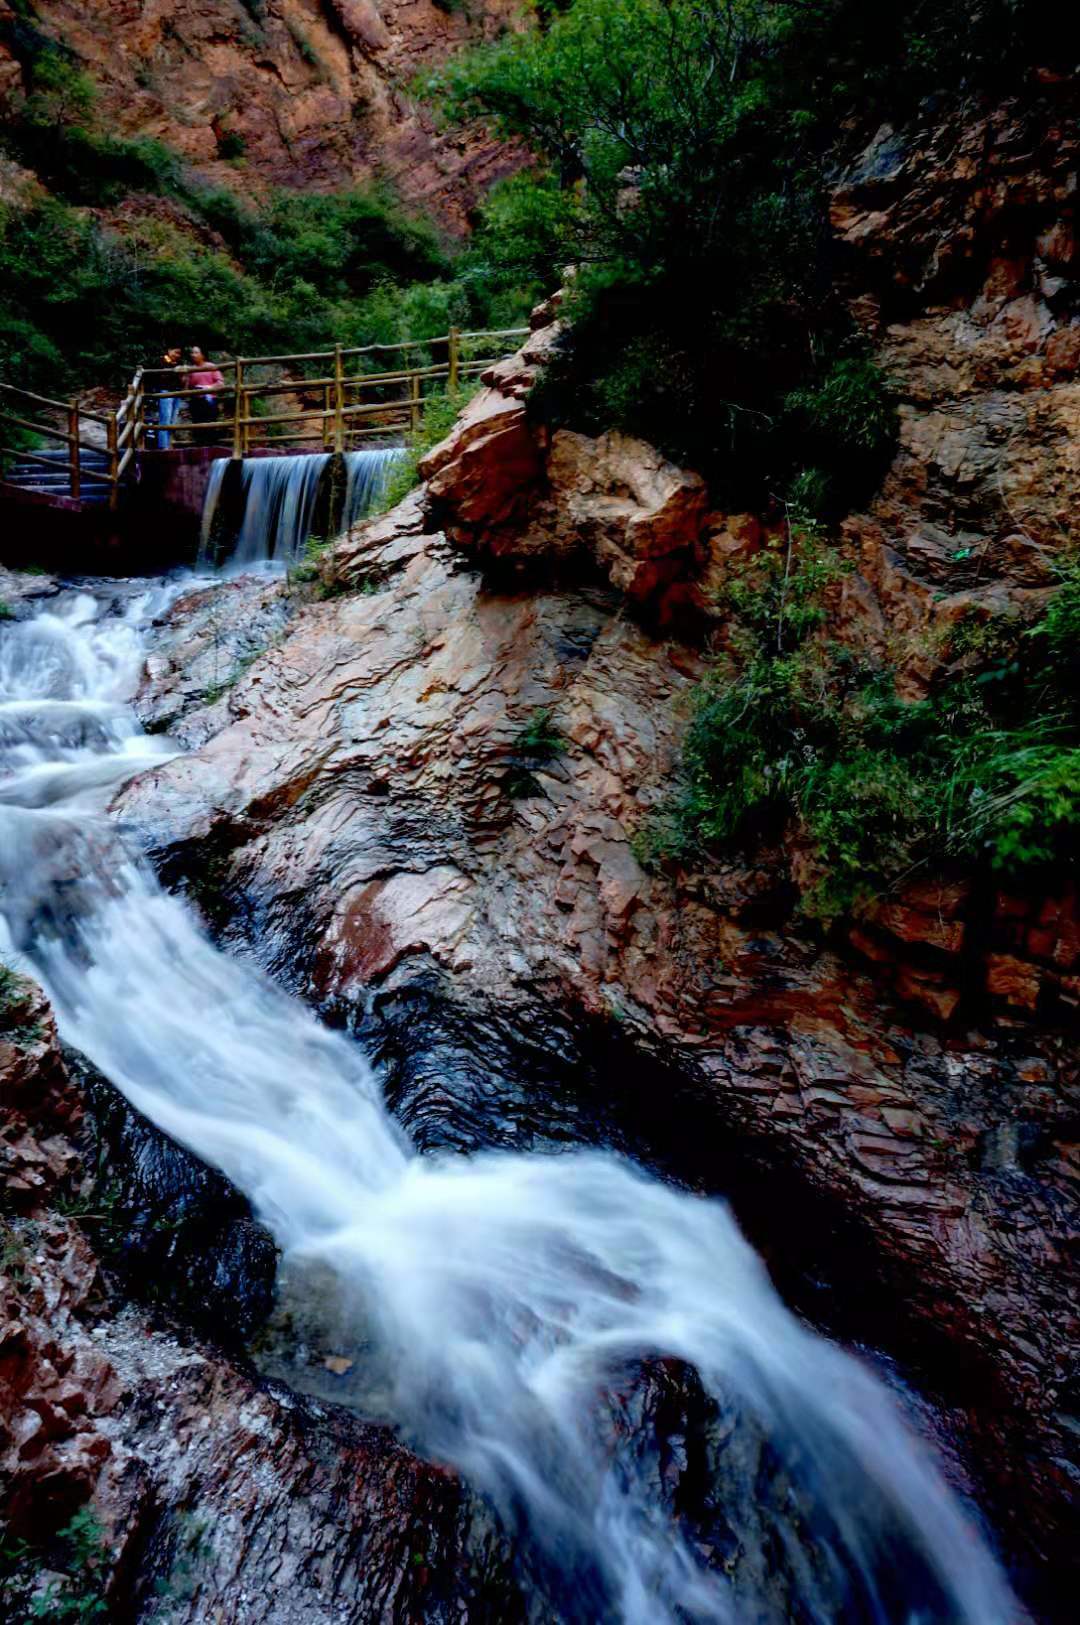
(795, 733)
(681, 151)
(126, 249)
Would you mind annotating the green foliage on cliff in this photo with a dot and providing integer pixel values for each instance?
(439, 414)
(126, 249)
(793, 734)
(682, 149)
(81, 303)
(74, 1561)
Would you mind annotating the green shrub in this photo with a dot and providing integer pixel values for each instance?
(683, 155)
(303, 44)
(77, 1552)
(794, 735)
(1059, 629)
(232, 145)
(441, 411)
(540, 738)
(539, 742)
(10, 988)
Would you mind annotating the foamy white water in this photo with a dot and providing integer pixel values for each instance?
(499, 1294)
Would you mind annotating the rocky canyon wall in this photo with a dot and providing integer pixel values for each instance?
(380, 810)
(311, 94)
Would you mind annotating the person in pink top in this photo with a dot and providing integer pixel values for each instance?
(205, 407)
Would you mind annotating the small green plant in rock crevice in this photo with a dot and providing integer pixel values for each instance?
(244, 663)
(101, 1206)
(795, 736)
(13, 990)
(77, 1555)
(182, 1583)
(306, 568)
(10, 989)
(303, 44)
(540, 741)
(14, 1242)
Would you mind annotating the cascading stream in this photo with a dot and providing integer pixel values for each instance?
(497, 1294)
(278, 497)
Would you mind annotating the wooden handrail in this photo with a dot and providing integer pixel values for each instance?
(42, 400)
(351, 407)
(346, 351)
(46, 429)
(36, 457)
(36, 428)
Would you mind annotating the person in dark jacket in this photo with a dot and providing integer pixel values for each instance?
(168, 405)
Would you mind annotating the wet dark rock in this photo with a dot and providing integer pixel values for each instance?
(175, 1230)
(218, 1495)
(746, 1509)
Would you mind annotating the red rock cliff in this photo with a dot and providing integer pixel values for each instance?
(315, 90)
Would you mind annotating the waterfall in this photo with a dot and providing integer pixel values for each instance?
(495, 1297)
(278, 499)
(367, 474)
(211, 501)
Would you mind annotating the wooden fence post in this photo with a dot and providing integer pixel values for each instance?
(339, 400)
(114, 461)
(74, 466)
(452, 348)
(239, 411)
(414, 414)
(327, 430)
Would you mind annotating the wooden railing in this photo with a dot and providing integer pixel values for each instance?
(41, 418)
(351, 404)
(341, 402)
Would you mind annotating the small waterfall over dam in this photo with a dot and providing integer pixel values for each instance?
(264, 508)
(502, 1298)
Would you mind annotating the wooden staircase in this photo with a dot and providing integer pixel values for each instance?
(50, 474)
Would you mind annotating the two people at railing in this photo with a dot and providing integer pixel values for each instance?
(204, 407)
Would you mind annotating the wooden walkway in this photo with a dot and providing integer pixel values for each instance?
(330, 400)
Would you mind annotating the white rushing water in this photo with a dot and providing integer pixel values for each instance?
(277, 497)
(497, 1293)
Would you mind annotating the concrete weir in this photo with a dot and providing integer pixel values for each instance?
(158, 523)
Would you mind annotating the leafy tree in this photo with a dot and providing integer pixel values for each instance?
(680, 151)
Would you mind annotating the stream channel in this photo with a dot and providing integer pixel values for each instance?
(505, 1304)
